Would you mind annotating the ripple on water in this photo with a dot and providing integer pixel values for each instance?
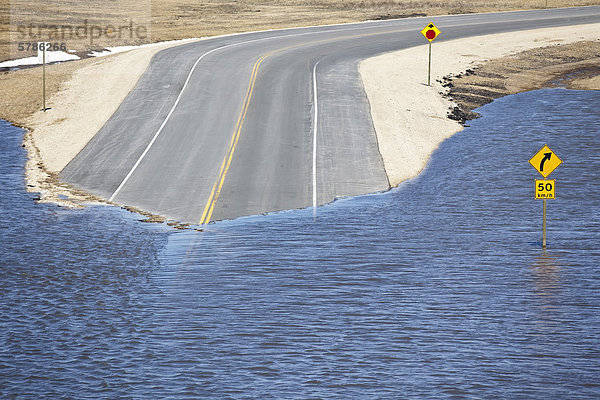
(438, 289)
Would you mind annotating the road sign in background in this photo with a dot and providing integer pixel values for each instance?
(430, 32)
(545, 188)
(545, 161)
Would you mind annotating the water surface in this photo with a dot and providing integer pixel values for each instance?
(438, 289)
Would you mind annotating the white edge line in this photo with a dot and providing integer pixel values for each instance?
(350, 26)
(161, 126)
(111, 198)
(315, 130)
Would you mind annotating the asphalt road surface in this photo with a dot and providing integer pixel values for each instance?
(261, 122)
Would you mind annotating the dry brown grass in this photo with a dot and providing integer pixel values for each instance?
(177, 19)
(21, 91)
(574, 66)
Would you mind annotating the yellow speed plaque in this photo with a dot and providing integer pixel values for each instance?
(545, 189)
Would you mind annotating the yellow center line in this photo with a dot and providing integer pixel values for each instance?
(218, 185)
(216, 189)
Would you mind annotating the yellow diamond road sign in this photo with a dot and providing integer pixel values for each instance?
(545, 161)
(430, 32)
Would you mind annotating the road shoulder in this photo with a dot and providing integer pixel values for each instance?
(79, 109)
(411, 119)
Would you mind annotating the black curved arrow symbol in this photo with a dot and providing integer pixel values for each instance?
(546, 157)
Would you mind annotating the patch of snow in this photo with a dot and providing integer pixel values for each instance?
(51, 56)
(119, 49)
(58, 56)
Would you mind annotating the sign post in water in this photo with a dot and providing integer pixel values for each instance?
(544, 162)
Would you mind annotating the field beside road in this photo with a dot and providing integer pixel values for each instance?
(83, 94)
(574, 66)
(164, 20)
(411, 119)
(178, 19)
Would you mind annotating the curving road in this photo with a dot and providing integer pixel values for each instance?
(261, 122)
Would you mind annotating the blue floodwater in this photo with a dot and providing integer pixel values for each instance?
(437, 289)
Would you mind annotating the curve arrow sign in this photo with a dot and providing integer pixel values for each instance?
(547, 156)
(545, 161)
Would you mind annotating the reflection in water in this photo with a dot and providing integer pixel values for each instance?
(431, 291)
(546, 280)
(545, 272)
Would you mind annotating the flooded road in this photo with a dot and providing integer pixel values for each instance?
(437, 289)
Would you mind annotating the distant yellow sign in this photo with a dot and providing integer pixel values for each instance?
(545, 161)
(545, 189)
(430, 32)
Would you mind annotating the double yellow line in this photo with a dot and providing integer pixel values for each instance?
(218, 185)
(216, 190)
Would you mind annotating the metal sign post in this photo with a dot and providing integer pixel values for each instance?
(430, 32)
(41, 49)
(429, 68)
(544, 225)
(544, 162)
(44, 75)
(544, 189)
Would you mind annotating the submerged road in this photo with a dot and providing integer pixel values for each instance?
(261, 122)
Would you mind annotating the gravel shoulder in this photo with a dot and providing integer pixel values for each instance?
(86, 100)
(411, 119)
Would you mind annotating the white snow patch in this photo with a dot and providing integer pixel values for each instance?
(119, 49)
(51, 56)
(58, 56)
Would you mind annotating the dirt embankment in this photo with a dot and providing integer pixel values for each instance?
(94, 24)
(411, 118)
(574, 66)
(76, 113)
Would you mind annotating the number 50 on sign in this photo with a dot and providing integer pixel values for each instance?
(544, 189)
